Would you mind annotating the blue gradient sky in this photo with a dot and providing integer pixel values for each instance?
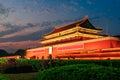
(23, 22)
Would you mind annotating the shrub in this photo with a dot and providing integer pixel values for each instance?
(3, 78)
(36, 64)
(3, 60)
(46, 64)
(17, 68)
(80, 72)
(112, 63)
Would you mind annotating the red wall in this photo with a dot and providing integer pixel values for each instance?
(75, 47)
(81, 47)
(37, 54)
(101, 44)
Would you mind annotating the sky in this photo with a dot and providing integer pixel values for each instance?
(24, 22)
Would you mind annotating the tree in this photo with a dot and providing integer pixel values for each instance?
(3, 53)
(21, 52)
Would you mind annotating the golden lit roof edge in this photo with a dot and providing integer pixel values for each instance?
(66, 26)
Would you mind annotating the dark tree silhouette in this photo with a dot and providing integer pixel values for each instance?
(3, 53)
(21, 52)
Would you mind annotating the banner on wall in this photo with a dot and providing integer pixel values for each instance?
(71, 47)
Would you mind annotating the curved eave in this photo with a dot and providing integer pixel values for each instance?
(68, 26)
(71, 35)
(72, 30)
(87, 24)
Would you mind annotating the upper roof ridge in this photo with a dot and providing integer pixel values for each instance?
(85, 17)
(85, 22)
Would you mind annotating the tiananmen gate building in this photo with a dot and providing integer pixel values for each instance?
(77, 40)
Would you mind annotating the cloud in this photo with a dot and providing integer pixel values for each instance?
(24, 32)
(34, 36)
(4, 11)
(11, 30)
(68, 7)
(89, 2)
(3, 28)
(27, 36)
(13, 46)
(74, 2)
(8, 30)
(30, 31)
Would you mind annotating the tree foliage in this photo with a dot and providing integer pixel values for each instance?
(3, 53)
(21, 52)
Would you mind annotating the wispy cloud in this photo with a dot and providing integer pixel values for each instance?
(3, 28)
(89, 2)
(5, 11)
(26, 36)
(24, 32)
(67, 7)
(75, 2)
(13, 46)
(11, 30)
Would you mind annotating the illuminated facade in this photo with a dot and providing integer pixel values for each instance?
(77, 40)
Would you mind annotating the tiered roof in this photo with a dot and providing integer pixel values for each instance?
(72, 32)
(85, 23)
